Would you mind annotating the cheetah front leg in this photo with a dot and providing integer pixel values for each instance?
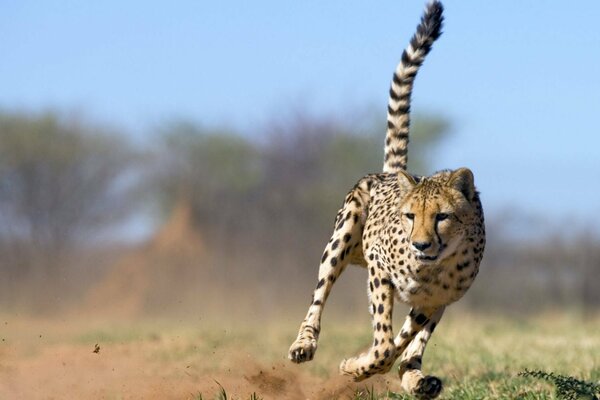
(382, 354)
(417, 320)
(343, 246)
(411, 341)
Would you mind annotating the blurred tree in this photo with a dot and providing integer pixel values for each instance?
(281, 188)
(587, 264)
(314, 161)
(214, 170)
(60, 182)
(298, 172)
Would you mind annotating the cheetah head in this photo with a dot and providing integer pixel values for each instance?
(436, 212)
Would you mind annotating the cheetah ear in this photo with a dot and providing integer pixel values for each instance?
(463, 181)
(406, 180)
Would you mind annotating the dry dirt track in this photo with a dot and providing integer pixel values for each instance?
(57, 364)
(74, 372)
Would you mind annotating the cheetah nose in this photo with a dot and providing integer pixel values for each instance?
(421, 245)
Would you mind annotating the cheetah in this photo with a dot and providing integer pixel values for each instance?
(421, 240)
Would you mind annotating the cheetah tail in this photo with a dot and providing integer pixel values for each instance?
(398, 120)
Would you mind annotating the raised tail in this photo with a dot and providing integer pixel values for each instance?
(398, 120)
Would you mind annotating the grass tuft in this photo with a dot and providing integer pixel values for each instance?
(365, 394)
(567, 387)
(222, 394)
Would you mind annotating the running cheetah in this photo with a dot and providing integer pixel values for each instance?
(421, 240)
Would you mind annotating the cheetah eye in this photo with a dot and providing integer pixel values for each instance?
(410, 216)
(441, 216)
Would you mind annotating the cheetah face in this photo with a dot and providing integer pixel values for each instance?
(434, 213)
(434, 231)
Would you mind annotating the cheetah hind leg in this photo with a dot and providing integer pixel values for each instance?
(382, 354)
(343, 247)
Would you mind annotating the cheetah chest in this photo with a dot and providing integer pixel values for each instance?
(433, 285)
(422, 284)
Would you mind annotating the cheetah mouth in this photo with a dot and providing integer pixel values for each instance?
(427, 258)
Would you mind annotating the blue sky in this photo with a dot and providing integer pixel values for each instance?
(518, 79)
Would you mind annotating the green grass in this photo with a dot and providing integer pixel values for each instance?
(477, 357)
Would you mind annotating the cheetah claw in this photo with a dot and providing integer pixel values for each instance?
(302, 351)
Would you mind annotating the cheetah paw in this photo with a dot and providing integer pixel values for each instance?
(302, 350)
(364, 366)
(353, 367)
(429, 387)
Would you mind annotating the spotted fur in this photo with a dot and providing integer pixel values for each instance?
(421, 240)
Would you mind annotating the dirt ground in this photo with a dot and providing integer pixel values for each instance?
(54, 360)
(74, 372)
